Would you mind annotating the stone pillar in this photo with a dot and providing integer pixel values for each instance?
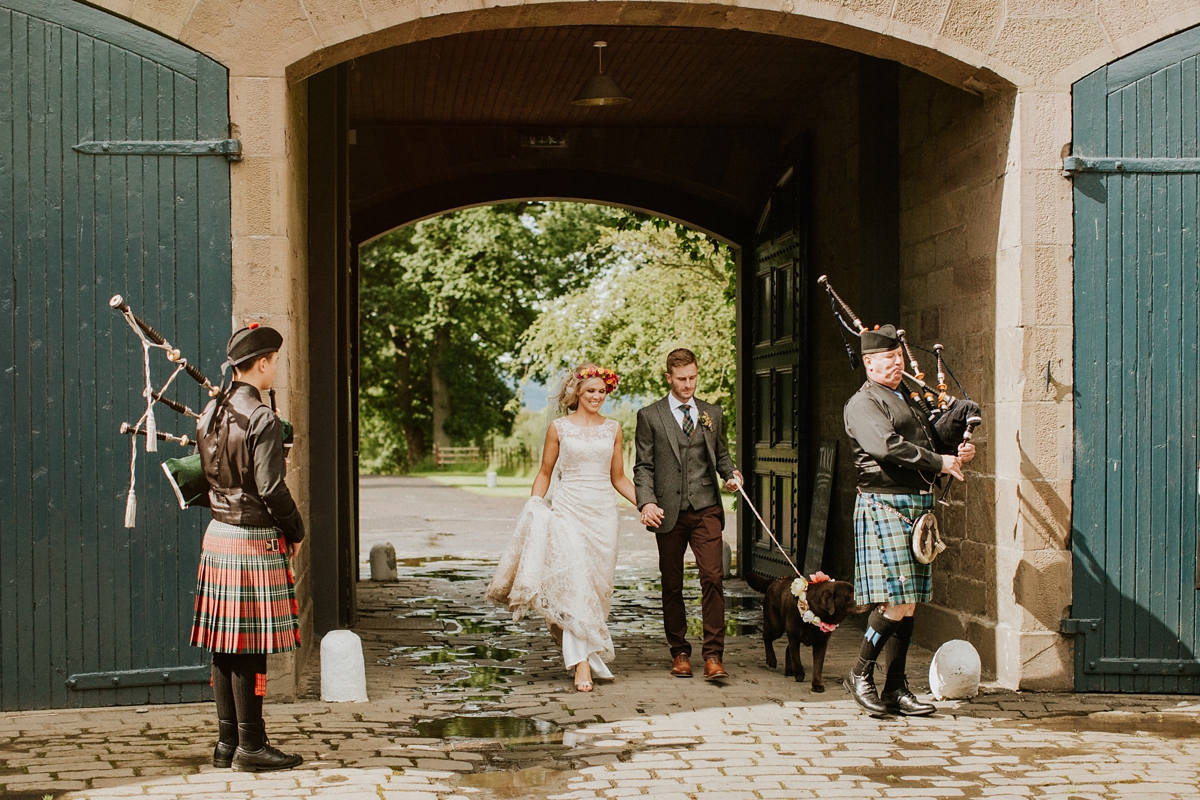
(1031, 437)
(269, 206)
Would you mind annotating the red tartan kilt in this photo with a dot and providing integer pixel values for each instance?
(245, 594)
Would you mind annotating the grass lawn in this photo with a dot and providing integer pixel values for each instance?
(509, 487)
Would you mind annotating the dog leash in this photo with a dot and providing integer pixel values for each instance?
(763, 522)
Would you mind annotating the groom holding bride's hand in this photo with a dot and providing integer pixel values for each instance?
(680, 451)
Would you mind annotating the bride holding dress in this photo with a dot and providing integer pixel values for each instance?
(562, 558)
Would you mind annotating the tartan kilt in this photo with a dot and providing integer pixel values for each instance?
(885, 569)
(245, 594)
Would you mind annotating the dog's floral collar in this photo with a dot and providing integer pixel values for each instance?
(800, 590)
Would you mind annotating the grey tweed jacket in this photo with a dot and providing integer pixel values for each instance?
(658, 470)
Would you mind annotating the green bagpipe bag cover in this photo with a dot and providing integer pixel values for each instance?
(186, 475)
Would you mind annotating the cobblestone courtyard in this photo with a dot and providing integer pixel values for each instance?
(466, 703)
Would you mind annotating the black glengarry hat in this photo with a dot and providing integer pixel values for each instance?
(253, 341)
(880, 340)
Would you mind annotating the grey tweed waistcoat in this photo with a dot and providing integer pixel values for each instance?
(699, 489)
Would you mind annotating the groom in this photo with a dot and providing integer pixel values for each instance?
(680, 451)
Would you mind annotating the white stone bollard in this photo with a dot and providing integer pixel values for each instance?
(726, 560)
(491, 480)
(343, 670)
(383, 562)
(954, 672)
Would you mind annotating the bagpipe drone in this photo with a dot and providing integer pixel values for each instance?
(185, 474)
(953, 419)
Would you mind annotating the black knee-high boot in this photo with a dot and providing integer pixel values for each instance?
(227, 735)
(254, 752)
(861, 680)
(896, 694)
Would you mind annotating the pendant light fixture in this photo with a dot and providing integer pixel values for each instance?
(600, 90)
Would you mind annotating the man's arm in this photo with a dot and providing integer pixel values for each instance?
(869, 425)
(269, 471)
(643, 466)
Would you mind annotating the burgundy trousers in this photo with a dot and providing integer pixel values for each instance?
(702, 531)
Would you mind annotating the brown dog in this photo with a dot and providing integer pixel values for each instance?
(832, 601)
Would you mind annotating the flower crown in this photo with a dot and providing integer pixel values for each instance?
(610, 378)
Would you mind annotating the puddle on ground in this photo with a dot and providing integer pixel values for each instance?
(478, 676)
(512, 784)
(1167, 726)
(509, 730)
(469, 653)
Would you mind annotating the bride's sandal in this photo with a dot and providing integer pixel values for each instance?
(584, 685)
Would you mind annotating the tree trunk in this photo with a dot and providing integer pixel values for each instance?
(414, 434)
(441, 387)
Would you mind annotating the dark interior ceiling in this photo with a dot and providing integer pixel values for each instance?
(439, 123)
(676, 77)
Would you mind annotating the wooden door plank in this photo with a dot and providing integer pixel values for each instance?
(1091, 361)
(1190, 379)
(56, 324)
(1174, 403)
(1141, 259)
(91, 338)
(1125, 550)
(1152, 595)
(187, 291)
(40, 320)
(10, 469)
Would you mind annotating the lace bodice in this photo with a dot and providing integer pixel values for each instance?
(586, 453)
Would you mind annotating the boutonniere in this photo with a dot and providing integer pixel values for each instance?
(706, 420)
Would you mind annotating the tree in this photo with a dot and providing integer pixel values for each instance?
(443, 304)
(663, 286)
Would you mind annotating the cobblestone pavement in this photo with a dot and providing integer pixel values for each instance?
(466, 703)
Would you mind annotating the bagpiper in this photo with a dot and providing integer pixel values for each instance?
(899, 457)
(245, 592)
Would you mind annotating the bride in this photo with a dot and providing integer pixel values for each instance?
(561, 561)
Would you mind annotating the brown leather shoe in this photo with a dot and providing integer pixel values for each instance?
(713, 671)
(681, 667)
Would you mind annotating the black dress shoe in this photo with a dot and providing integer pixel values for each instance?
(227, 743)
(255, 754)
(903, 701)
(862, 689)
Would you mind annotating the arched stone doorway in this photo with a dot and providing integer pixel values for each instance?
(809, 158)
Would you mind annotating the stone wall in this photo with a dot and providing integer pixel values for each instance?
(270, 281)
(953, 150)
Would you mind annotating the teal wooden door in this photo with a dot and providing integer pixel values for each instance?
(775, 347)
(92, 613)
(1137, 389)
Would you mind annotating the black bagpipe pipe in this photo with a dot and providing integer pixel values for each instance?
(173, 355)
(953, 421)
(133, 430)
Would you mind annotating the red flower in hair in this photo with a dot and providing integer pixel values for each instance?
(610, 378)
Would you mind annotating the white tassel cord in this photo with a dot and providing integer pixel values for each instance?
(147, 418)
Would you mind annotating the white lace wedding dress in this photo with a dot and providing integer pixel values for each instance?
(561, 560)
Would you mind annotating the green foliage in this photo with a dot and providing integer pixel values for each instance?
(453, 295)
(485, 295)
(664, 286)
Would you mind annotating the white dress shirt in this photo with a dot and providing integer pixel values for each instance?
(677, 409)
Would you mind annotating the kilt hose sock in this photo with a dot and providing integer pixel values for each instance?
(879, 630)
(897, 655)
(239, 683)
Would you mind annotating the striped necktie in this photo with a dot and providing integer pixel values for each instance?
(688, 425)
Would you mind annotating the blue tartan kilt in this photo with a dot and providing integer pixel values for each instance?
(885, 569)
